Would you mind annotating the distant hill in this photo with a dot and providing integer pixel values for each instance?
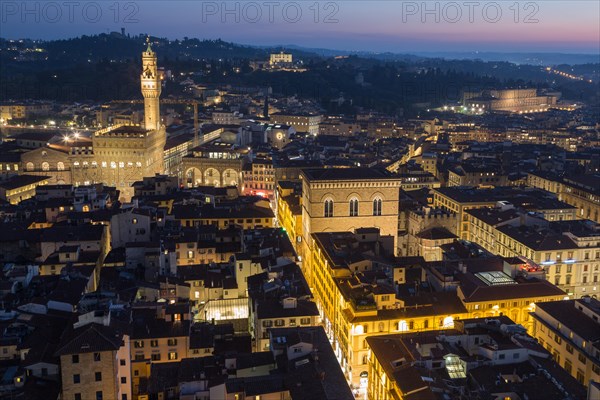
(106, 66)
(116, 47)
(519, 58)
(538, 59)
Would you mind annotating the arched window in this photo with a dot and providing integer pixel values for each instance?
(328, 209)
(354, 207)
(402, 326)
(448, 322)
(45, 166)
(377, 206)
(30, 166)
(60, 166)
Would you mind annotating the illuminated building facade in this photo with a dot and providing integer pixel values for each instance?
(280, 58)
(301, 122)
(215, 164)
(116, 156)
(289, 211)
(568, 251)
(509, 100)
(570, 331)
(259, 178)
(354, 308)
(582, 192)
(344, 199)
(473, 357)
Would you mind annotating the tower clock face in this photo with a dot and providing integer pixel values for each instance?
(279, 136)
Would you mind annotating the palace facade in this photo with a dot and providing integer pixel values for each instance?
(116, 156)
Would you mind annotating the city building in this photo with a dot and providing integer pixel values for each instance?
(484, 357)
(289, 210)
(459, 199)
(301, 122)
(280, 58)
(159, 334)
(215, 164)
(468, 174)
(354, 280)
(581, 191)
(345, 199)
(568, 251)
(570, 331)
(175, 149)
(279, 298)
(24, 111)
(118, 155)
(259, 178)
(20, 187)
(94, 360)
(279, 135)
(512, 100)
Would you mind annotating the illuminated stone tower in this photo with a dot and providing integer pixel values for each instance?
(150, 82)
(123, 154)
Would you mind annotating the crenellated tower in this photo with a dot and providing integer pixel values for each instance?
(151, 87)
(123, 154)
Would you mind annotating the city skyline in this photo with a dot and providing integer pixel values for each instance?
(199, 219)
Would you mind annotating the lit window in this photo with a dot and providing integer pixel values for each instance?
(448, 322)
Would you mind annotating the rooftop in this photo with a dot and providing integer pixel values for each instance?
(346, 174)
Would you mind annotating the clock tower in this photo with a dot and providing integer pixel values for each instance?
(151, 87)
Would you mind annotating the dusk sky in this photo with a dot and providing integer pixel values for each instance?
(544, 26)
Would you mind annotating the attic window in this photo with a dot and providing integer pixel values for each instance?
(398, 363)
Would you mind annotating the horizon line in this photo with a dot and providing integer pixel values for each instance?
(407, 52)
